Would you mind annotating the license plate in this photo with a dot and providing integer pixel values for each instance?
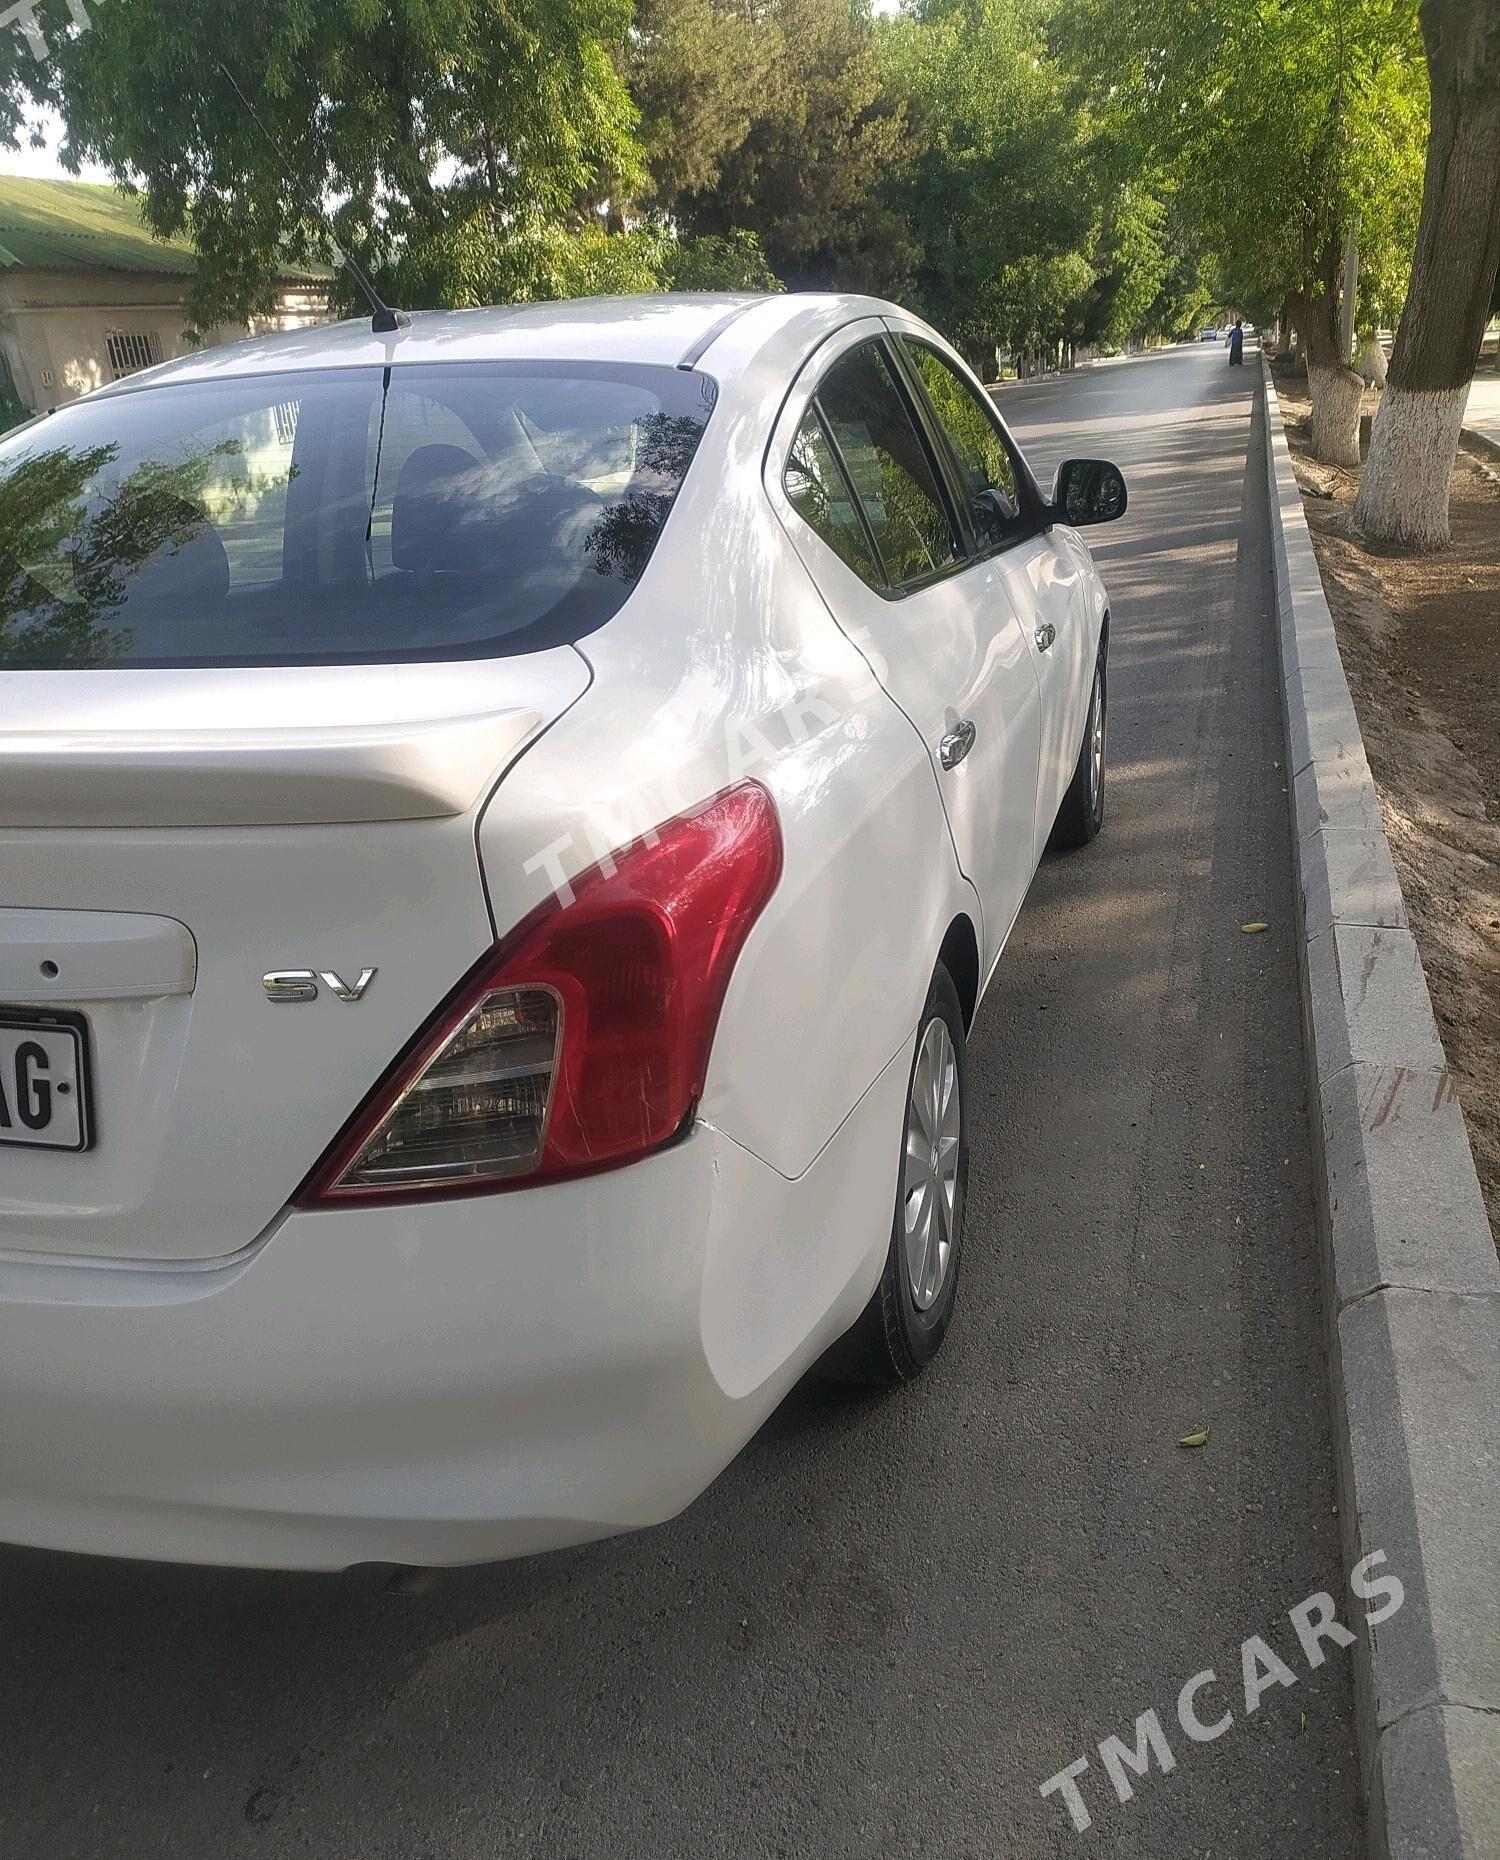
(44, 1080)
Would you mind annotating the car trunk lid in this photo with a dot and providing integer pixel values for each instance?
(268, 747)
(169, 839)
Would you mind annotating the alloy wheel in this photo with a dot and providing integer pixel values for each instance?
(1096, 741)
(929, 1186)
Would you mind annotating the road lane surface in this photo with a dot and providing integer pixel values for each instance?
(891, 1620)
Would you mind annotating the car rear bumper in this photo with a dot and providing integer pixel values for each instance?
(466, 1381)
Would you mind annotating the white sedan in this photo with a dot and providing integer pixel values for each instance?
(505, 826)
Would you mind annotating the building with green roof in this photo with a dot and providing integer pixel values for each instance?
(88, 294)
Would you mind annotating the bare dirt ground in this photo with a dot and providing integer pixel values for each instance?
(1420, 639)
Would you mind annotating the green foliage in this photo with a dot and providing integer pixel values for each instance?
(730, 261)
(1281, 123)
(1131, 256)
(1187, 296)
(701, 74)
(778, 119)
(1034, 230)
(996, 191)
(472, 264)
(1024, 172)
(419, 117)
(465, 266)
(470, 145)
(1029, 304)
(1386, 166)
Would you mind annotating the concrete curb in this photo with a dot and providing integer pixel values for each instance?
(1411, 1284)
(1474, 441)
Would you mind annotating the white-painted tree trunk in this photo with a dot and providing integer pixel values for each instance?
(1335, 395)
(1403, 495)
(1372, 366)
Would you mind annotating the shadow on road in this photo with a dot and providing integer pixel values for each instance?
(890, 1621)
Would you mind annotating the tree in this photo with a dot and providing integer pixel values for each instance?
(792, 143)
(1181, 305)
(1403, 496)
(421, 118)
(471, 264)
(1131, 256)
(718, 262)
(1036, 301)
(701, 74)
(998, 190)
(1273, 119)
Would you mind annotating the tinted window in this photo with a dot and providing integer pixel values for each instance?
(314, 518)
(820, 495)
(889, 466)
(969, 422)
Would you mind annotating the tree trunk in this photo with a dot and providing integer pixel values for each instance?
(1332, 386)
(1403, 498)
(1372, 363)
(1350, 300)
(1287, 336)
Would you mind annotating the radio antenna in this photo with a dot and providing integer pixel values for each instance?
(384, 320)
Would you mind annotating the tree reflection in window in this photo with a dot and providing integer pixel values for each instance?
(621, 541)
(72, 547)
(888, 466)
(818, 493)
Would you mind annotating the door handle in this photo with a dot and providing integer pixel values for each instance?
(1044, 636)
(957, 744)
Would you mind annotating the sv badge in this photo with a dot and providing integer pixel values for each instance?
(302, 984)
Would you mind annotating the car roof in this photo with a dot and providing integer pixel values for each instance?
(668, 329)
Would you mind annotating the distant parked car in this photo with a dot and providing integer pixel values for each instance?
(505, 825)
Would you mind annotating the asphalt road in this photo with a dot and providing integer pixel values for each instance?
(890, 1621)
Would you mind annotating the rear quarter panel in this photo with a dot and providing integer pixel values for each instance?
(725, 666)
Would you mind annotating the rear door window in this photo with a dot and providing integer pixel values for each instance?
(818, 491)
(448, 511)
(890, 468)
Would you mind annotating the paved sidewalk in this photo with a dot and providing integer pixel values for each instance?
(1483, 415)
(1410, 1283)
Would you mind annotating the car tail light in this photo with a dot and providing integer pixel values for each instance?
(581, 1042)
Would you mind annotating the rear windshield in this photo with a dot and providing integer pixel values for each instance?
(425, 512)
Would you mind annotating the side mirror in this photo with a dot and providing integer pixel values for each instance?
(1088, 491)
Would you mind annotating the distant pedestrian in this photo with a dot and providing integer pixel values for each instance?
(1237, 345)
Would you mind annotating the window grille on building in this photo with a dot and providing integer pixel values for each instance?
(132, 350)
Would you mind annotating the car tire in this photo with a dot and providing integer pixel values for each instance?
(1082, 812)
(903, 1327)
